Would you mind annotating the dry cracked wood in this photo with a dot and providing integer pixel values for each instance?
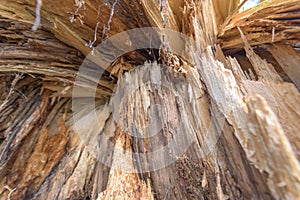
(271, 21)
(288, 59)
(236, 120)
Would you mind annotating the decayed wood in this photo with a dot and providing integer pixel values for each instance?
(243, 105)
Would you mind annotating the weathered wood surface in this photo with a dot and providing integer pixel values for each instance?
(270, 22)
(288, 59)
(256, 155)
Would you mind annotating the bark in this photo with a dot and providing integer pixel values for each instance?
(221, 124)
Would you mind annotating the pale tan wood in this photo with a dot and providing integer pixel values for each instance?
(289, 61)
(263, 69)
(254, 136)
(44, 156)
(270, 22)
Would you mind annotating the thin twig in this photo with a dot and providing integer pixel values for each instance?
(91, 43)
(37, 21)
(273, 34)
(164, 12)
(112, 11)
(10, 191)
(20, 93)
(18, 76)
(80, 4)
(105, 29)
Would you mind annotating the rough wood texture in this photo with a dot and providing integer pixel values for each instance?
(271, 21)
(233, 108)
(288, 59)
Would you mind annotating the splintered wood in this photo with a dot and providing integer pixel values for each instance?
(288, 59)
(222, 125)
(271, 21)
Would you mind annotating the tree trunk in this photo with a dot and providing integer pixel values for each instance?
(208, 109)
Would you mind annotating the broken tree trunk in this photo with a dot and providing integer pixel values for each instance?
(219, 121)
